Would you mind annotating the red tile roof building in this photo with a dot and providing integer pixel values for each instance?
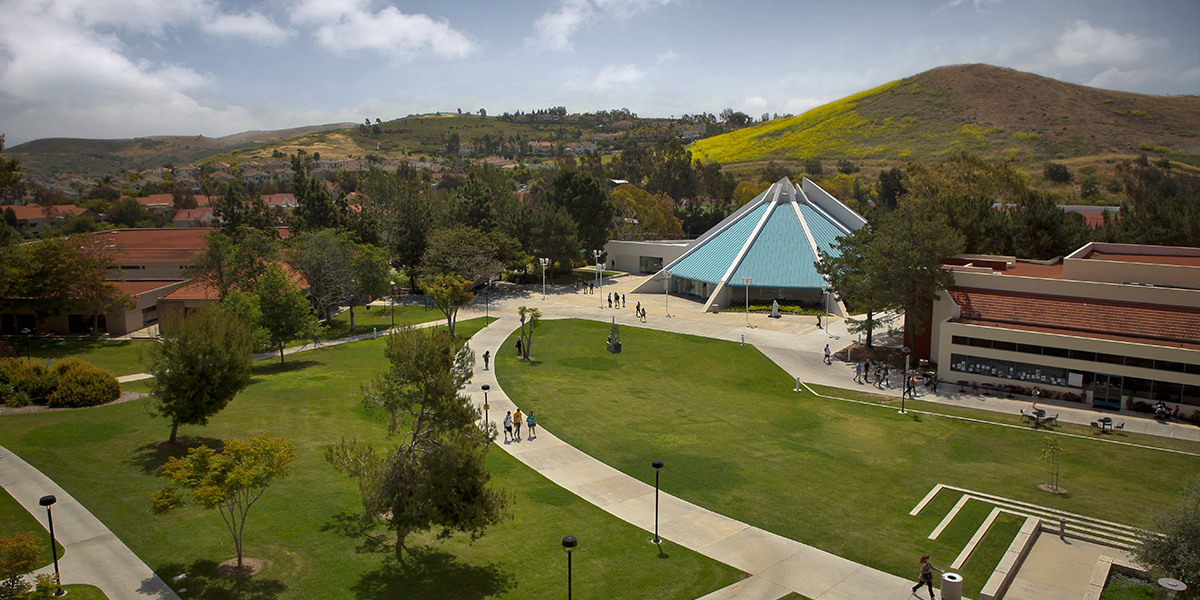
(1110, 323)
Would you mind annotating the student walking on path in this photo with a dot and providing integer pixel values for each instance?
(508, 426)
(517, 425)
(532, 425)
(857, 372)
(926, 577)
(827, 361)
(487, 355)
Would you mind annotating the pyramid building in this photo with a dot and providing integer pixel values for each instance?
(771, 244)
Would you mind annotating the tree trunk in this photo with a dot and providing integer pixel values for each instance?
(281, 353)
(174, 431)
(351, 315)
(870, 326)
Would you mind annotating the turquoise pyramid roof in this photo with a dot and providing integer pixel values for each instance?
(774, 239)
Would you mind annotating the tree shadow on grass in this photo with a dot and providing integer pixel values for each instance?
(152, 456)
(428, 573)
(205, 583)
(263, 369)
(370, 538)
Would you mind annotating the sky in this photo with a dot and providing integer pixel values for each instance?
(131, 68)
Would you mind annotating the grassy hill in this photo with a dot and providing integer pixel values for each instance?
(990, 111)
(51, 156)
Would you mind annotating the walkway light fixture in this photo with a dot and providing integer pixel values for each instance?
(49, 501)
(746, 281)
(599, 274)
(658, 465)
(393, 309)
(904, 391)
(569, 544)
(485, 387)
(544, 262)
(667, 292)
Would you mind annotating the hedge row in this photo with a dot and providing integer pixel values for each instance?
(71, 383)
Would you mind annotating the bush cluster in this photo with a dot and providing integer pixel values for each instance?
(71, 383)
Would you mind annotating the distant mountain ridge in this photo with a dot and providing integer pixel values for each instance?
(987, 110)
(49, 156)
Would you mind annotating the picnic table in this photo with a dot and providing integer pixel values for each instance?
(1105, 423)
(962, 385)
(987, 388)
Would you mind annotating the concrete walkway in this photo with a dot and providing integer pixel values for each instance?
(92, 554)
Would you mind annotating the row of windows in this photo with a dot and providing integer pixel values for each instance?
(1109, 386)
(1112, 359)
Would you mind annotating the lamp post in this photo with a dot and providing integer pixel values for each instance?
(25, 332)
(599, 274)
(545, 262)
(487, 302)
(658, 465)
(48, 501)
(667, 293)
(904, 393)
(569, 544)
(393, 310)
(485, 387)
(825, 301)
(746, 281)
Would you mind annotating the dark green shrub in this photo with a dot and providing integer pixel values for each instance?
(82, 384)
(10, 397)
(29, 377)
(846, 167)
(812, 166)
(1057, 172)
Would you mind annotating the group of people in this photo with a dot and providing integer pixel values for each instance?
(512, 426)
(588, 287)
(619, 299)
(862, 371)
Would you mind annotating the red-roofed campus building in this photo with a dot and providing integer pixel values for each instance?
(1110, 324)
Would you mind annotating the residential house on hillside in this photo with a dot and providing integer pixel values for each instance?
(191, 218)
(542, 147)
(36, 220)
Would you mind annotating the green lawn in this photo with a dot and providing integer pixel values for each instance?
(119, 356)
(15, 519)
(303, 527)
(377, 317)
(837, 475)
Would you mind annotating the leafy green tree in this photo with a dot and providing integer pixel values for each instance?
(964, 188)
(230, 481)
(286, 313)
(1057, 173)
(239, 214)
(531, 318)
(406, 215)
(19, 555)
(316, 207)
(671, 172)
(468, 253)
(449, 293)
(587, 203)
(323, 259)
(202, 363)
(1176, 552)
(247, 307)
(63, 273)
(641, 216)
(437, 476)
(813, 166)
(774, 172)
(890, 187)
(850, 276)
(1037, 228)
(126, 212)
(12, 189)
(368, 276)
(229, 263)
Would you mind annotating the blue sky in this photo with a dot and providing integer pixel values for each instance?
(126, 68)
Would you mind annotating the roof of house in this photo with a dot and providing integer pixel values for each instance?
(196, 289)
(774, 239)
(1100, 318)
(143, 285)
(34, 211)
(193, 214)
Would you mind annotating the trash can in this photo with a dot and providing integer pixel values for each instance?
(952, 586)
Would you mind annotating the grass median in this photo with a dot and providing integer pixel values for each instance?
(837, 475)
(304, 527)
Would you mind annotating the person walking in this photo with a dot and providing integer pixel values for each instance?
(487, 355)
(879, 376)
(518, 347)
(508, 426)
(517, 425)
(887, 372)
(857, 372)
(926, 577)
(532, 425)
(827, 361)
(610, 300)
(622, 300)
(867, 370)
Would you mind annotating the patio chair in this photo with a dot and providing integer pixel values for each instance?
(1025, 416)
(1051, 420)
(1120, 427)
(1096, 426)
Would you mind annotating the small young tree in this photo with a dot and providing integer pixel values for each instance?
(1175, 553)
(1051, 449)
(230, 481)
(530, 319)
(19, 555)
(437, 476)
(286, 313)
(202, 363)
(449, 293)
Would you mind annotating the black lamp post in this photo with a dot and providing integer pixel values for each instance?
(393, 311)
(485, 387)
(905, 389)
(658, 465)
(569, 544)
(47, 501)
(25, 332)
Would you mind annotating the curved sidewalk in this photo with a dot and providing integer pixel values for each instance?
(93, 555)
(778, 565)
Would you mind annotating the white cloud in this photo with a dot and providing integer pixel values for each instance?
(1082, 44)
(344, 26)
(797, 106)
(252, 26)
(556, 26)
(978, 4)
(665, 57)
(614, 76)
(1190, 80)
